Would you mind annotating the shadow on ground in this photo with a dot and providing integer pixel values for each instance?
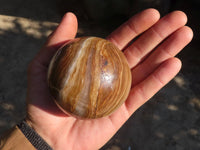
(20, 39)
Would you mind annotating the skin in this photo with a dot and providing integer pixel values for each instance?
(152, 61)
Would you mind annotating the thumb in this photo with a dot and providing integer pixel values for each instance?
(65, 31)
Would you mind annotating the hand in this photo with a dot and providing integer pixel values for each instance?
(151, 58)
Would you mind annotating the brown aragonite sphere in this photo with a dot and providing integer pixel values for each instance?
(89, 77)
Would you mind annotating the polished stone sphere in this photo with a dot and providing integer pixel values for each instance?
(89, 77)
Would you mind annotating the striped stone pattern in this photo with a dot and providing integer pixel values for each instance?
(89, 77)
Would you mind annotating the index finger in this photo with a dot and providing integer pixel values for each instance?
(133, 27)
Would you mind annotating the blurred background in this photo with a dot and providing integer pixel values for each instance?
(169, 121)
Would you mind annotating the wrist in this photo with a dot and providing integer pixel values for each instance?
(33, 136)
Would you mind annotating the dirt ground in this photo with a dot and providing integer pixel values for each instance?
(169, 121)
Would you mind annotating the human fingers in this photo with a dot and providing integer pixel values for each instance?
(133, 27)
(138, 50)
(152, 84)
(65, 31)
(169, 48)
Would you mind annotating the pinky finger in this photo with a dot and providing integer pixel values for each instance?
(143, 91)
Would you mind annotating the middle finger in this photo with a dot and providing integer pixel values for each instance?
(137, 51)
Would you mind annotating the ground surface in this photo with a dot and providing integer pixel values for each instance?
(169, 121)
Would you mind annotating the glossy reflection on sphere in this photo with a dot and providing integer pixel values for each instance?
(89, 77)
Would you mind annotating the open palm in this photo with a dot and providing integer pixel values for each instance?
(150, 56)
